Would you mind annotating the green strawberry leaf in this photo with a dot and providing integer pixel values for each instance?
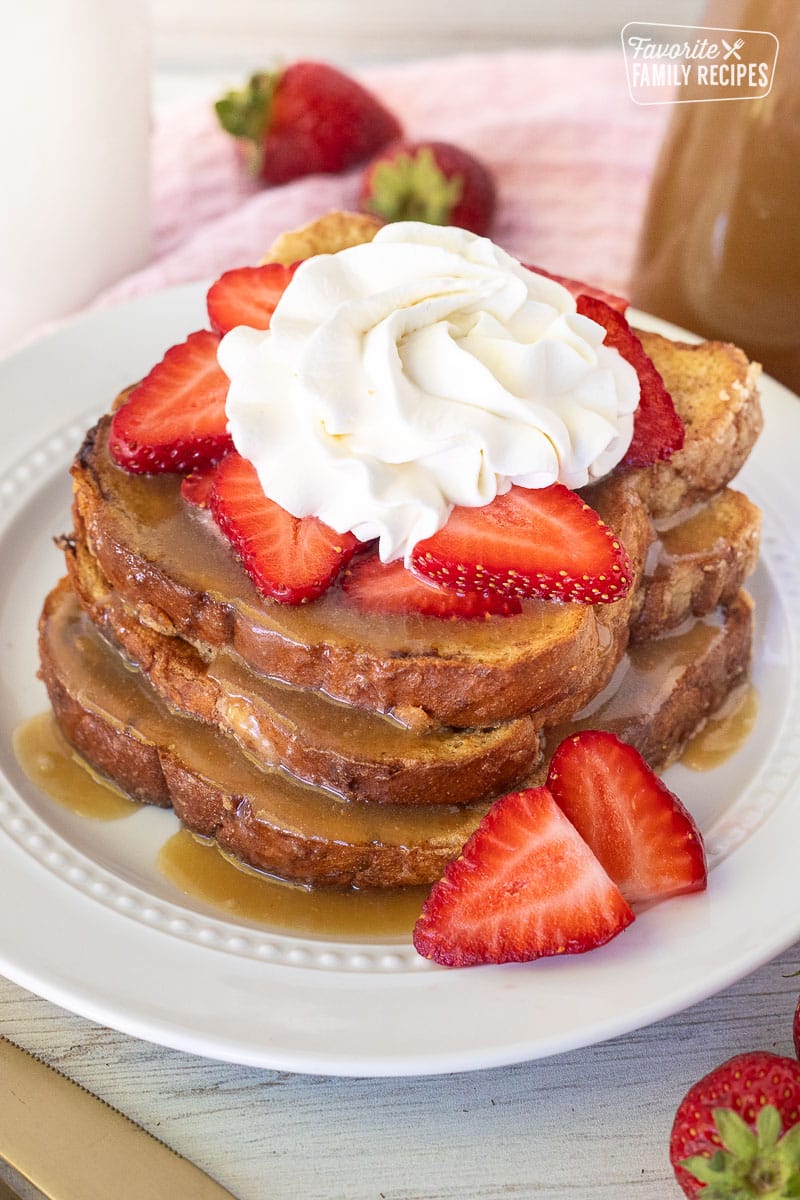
(761, 1164)
(413, 188)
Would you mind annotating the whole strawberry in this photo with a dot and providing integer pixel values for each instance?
(736, 1131)
(306, 118)
(430, 181)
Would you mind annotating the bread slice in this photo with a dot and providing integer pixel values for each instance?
(714, 388)
(357, 754)
(697, 562)
(173, 566)
(115, 720)
(664, 690)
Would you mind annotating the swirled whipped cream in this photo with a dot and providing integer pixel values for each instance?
(419, 371)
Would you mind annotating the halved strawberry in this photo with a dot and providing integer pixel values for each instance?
(525, 886)
(196, 486)
(657, 428)
(175, 419)
(389, 588)
(247, 296)
(578, 288)
(288, 559)
(639, 830)
(542, 542)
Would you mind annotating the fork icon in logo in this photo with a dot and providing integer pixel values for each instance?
(733, 50)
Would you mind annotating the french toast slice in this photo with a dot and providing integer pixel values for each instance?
(698, 560)
(714, 388)
(664, 690)
(169, 561)
(117, 723)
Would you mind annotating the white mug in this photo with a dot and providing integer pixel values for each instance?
(74, 154)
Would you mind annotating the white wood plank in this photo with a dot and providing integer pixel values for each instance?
(589, 1124)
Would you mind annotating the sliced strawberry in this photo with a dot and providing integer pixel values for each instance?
(288, 559)
(247, 296)
(389, 588)
(525, 886)
(196, 486)
(542, 542)
(578, 288)
(657, 428)
(639, 830)
(175, 419)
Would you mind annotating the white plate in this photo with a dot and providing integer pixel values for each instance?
(88, 922)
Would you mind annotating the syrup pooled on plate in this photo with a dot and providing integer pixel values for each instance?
(723, 733)
(56, 769)
(202, 871)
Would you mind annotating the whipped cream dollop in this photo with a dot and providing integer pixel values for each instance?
(422, 370)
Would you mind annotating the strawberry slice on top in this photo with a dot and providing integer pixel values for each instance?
(641, 833)
(529, 542)
(379, 587)
(578, 288)
(196, 486)
(525, 886)
(657, 427)
(289, 559)
(174, 420)
(247, 296)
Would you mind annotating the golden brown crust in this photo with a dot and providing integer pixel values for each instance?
(134, 767)
(714, 389)
(326, 235)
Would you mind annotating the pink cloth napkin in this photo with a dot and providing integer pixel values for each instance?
(571, 155)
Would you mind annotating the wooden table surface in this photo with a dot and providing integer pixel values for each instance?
(591, 1123)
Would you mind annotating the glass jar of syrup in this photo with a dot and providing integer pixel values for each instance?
(719, 251)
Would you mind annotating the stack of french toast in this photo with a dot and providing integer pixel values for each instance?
(330, 745)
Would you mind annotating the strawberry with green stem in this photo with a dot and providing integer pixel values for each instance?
(307, 118)
(736, 1133)
(435, 182)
